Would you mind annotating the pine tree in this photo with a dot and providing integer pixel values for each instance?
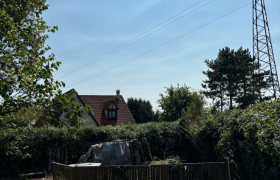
(229, 70)
(141, 110)
(233, 76)
(246, 69)
(215, 83)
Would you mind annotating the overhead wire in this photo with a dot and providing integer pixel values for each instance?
(161, 45)
(139, 37)
(113, 30)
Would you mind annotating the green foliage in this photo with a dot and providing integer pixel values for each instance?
(17, 145)
(205, 136)
(26, 74)
(251, 139)
(141, 110)
(21, 118)
(22, 62)
(156, 117)
(196, 108)
(178, 101)
(231, 77)
(64, 110)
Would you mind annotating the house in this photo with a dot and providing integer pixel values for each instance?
(106, 110)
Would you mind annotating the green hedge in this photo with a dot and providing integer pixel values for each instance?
(19, 145)
(250, 138)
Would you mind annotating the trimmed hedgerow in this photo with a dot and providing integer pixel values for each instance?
(250, 138)
(18, 146)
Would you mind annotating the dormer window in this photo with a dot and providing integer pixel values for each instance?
(112, 112)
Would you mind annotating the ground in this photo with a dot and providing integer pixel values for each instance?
(48, 177)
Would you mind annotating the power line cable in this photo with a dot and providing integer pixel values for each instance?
(113, 30)
(161, 45)
(137, 38)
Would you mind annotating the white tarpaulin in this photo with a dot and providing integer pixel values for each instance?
(85, 165)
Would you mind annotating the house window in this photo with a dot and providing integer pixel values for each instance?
(92, 112)
(112, 112)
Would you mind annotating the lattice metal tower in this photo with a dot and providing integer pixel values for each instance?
(262, 49)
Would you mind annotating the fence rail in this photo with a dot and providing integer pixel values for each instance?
(187, 171)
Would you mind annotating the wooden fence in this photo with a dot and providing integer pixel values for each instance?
(188, 171)
(193, 171)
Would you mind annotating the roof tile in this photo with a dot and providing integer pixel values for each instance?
(97, 102)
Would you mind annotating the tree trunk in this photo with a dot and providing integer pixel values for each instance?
(221, 97)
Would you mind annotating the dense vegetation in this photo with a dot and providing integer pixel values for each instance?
(178, 101)
(21, 118)
(250, 138)
(17, 146)
(25, 71)
(233, 80)
(141, 110)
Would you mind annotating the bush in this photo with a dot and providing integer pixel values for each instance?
(251, 138)
(18, 146)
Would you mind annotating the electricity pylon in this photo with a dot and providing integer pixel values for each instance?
(263, 51)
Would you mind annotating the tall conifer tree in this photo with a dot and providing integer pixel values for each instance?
(215, 83)
(245, 64)
(231, 77)
(141, 110)
(229, 70)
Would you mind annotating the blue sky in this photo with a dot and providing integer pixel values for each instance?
(82, 24)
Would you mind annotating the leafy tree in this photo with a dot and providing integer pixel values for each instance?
(22, 118)
(25, 73)
(141, 110)
(180, 100)
(196, 108)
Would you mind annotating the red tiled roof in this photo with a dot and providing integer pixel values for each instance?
(97, 103)
(107, 104)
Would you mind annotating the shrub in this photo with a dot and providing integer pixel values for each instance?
(250, 138)
(18, 146)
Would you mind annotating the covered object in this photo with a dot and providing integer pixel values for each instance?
(122, 152)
